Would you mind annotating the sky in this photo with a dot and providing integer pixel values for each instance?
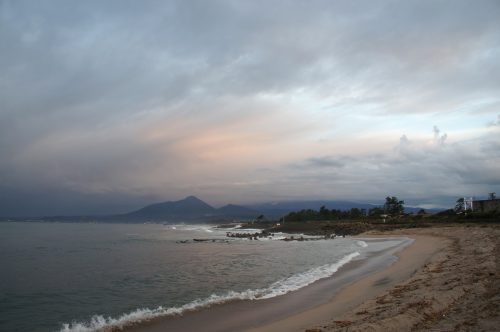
(106, 106)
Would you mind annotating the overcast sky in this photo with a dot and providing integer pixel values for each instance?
(108, 105)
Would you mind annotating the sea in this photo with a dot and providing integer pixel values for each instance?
(94, 276)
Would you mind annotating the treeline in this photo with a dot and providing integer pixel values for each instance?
(392, 207)
(326, 214)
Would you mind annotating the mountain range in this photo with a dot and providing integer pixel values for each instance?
(192, 209)
(189, 208)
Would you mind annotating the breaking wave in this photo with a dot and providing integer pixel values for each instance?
(280, 287)
(199, 228)
(362, 244)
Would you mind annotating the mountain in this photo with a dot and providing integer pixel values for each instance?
(188, 208)
(237, 211)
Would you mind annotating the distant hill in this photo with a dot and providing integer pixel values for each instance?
(190, 207)
(232, 210)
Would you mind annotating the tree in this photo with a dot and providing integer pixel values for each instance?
(324, 212)
(375, 212)
(393, 205)
(356, 213)
(460, 206)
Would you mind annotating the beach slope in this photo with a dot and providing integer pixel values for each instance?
(457, 288)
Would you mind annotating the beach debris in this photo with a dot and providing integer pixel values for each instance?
(203, 240)
(251, 236)
(342, 323)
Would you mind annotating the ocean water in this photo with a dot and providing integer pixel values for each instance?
(82, 277)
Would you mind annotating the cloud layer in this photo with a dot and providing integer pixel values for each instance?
(106, 106)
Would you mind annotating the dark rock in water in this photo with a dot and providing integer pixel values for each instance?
(207, 240)
(250, 236)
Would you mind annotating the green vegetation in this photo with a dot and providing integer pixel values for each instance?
(387, 217)
(451, 215)
(326, 214)
(460, 206)
(393, 206)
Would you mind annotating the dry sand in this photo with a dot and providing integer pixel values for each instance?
(448, 280)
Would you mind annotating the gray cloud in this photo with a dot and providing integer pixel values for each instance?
(438, 138)
(321, 162)
(139, 99)
(494, 123)
(425, 172)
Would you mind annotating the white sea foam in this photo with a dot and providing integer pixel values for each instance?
(306, 278)
(280, 287)
(192, 228)
(362, 244)
(273, 238)
(250, 230)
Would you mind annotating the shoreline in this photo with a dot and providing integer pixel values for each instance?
(448, 279)
(410, 259)
(269, 314)
(456, 289)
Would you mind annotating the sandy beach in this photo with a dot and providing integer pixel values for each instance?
(448, 280)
